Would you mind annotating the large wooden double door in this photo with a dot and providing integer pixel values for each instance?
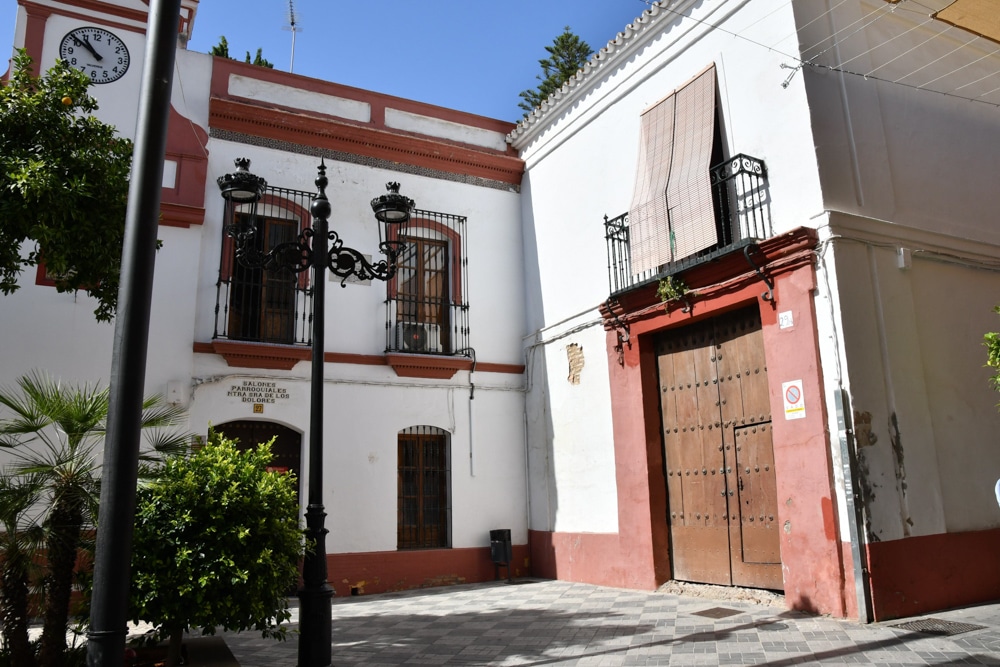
(719, 459)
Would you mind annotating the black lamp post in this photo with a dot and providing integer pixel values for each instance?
(320, 248)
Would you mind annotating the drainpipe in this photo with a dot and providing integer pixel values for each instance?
(855, 518)
(472, 397)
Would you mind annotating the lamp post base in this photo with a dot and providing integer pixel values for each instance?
(315, 622)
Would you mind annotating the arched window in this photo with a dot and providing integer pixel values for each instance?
(424, 488)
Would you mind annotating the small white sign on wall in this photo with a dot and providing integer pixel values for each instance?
(785, 320)
(795, 402)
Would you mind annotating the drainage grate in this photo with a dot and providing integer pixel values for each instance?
(717, 612)
(937, 626)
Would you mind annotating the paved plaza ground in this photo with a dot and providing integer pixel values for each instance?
(558, 623)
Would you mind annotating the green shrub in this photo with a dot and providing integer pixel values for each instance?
(217, 543)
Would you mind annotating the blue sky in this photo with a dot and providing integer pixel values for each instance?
(471, 56)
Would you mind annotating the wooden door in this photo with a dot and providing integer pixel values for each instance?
(719, 459)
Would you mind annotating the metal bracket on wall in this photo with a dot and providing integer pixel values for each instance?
(769, 294)
(624, 336)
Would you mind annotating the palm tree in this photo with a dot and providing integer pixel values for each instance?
(19, 542)
(55, 435)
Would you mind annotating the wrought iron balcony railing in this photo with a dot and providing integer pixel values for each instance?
(257, 306)
(742, 215)
(427, 306)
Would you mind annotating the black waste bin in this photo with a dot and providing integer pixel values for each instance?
(501, 550)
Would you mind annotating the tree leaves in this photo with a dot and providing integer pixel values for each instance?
(567, 55)
(217, 542)
(64, 178)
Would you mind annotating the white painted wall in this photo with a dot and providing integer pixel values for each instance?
(914, 337)
(581, 162)
(883, 163)
(365, 406)
(905, 167)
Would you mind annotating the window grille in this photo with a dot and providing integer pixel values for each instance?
(427, 309)
(741, 204)
(424, 485)
(257, 305)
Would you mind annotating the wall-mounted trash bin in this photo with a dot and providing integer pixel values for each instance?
(501, 550)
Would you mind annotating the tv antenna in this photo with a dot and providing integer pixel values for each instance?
(293, 26)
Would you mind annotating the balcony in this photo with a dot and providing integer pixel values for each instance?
(742, 218)
(253, 305)
(427, 307)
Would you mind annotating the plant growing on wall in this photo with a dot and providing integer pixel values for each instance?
(222, 49)
(49, 495)
(671, 288)
(63, 184)
(992, 343)
(217, 543)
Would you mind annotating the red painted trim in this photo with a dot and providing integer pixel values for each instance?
(386, 571)
(816, 576)
(319, 132)
(357, 359)
(109, 8)
(593, 558)
(42, 276)
(178, 215)
(918, 575)
(103, 8)
(34, 33)
(223, 68)
(427, 366)
(257, 355)
(235, 350)
(485, 367)
(187, 145)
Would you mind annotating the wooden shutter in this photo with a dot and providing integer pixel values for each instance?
(672, 215)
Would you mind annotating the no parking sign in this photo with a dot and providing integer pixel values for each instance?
(795, 404)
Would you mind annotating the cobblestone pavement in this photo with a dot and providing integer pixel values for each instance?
(560, 623)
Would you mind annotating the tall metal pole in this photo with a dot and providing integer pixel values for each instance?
(314, 248)
(109, 604)
(315, 614)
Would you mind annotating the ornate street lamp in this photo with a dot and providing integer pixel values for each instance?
(320, 248)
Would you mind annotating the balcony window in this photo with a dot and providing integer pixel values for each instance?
(426, 309)
(690, 203)
(254, 305)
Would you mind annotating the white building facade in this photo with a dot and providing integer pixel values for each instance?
(810, 411)
(713, 313)
(424, 440)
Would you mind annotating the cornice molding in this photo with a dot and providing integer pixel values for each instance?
(317, 133)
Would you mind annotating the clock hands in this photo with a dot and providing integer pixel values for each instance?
(85, 43)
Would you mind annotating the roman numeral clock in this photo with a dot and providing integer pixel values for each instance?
(98, 53)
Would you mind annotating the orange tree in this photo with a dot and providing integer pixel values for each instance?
(63, 184)
(217, 543)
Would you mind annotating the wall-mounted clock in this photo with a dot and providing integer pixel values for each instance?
(96, 52)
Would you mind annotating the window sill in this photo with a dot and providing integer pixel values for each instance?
(427, 366)
(241, 354)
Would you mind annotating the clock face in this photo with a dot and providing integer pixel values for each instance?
(99, 54)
